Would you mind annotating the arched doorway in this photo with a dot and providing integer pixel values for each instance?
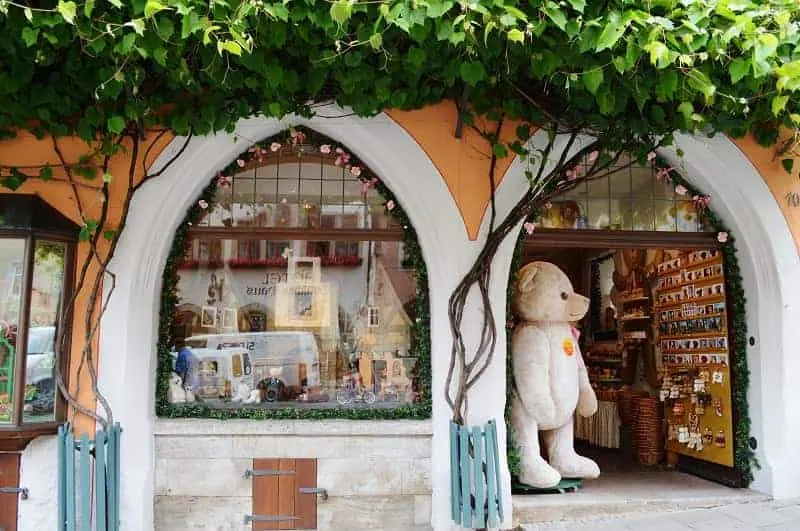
(718, 168)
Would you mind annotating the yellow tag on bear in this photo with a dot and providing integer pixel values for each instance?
(568, 346)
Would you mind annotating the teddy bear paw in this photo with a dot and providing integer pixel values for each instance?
(539, 475)
(577, 466)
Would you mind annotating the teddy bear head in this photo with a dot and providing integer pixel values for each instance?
(544, 293)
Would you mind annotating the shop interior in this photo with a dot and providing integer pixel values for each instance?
(656, 346)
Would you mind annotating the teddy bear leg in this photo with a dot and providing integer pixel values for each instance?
(563, 457)
(534, 470)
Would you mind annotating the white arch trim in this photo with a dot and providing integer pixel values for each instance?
(127, 345)
(770, 268)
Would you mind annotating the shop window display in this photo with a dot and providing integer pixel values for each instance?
(36, 253)
(323, 320)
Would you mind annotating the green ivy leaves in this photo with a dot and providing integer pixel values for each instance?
(183, 64)
(68, 10)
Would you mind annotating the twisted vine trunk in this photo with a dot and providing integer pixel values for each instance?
(544, 186)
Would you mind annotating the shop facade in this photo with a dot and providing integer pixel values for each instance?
(184, 472)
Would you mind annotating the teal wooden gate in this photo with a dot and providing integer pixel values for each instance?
(475, 496)
(88, 480)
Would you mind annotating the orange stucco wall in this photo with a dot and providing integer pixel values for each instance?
(463, 163)
(780, 183)
(26, 153)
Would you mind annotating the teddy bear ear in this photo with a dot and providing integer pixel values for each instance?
(526, 280)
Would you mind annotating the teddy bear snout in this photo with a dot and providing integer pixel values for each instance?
(577, 306)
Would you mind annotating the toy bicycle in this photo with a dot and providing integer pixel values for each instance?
(350, 393)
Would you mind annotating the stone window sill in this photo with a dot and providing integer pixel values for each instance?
(331, 427)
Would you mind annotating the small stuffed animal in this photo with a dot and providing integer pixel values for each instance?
(242, 393)
(190, 396)
(254, 398)
(550, 378)
(176, 394)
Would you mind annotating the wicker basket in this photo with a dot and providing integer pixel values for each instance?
(625, 403)
(649, 435)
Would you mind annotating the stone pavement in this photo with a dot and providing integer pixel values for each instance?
(755, 516)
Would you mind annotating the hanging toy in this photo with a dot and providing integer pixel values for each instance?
(699, 385)
(708, 436)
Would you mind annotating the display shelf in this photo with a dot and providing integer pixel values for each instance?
(698, 282)
(606, 360)
(626, 318)
(676, 367)
(694, 300)
(717, 259)
(695, 335)
(606, 380)
(698, 351)
(634, 299)
(697, 316)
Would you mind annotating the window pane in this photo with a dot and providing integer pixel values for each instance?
(598, 188)
(621, 183)
(48, 283)
(665, 215)
(642, 213)
(599, 215)
(621, 214)
(11, 270)
(686, 216)
(328, 329)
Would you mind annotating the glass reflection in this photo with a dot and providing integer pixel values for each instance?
(11, 269)
(627, 199)
(40, 364)
(322, 324)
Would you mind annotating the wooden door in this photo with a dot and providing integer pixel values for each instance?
(284, 491)
(9, 477)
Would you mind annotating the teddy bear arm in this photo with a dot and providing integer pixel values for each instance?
(587, 399)
(531, 351)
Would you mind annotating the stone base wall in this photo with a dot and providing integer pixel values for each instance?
(376, 473)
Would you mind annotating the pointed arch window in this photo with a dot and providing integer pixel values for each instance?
(286, 263)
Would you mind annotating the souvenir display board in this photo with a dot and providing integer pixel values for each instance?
(692, 337)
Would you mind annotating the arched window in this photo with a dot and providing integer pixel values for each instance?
(37, 248)
(295, 264)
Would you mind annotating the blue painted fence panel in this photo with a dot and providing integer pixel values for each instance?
(475, 493)
(88, 480)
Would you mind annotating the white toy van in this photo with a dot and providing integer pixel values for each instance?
(220, 371)
(296, 354)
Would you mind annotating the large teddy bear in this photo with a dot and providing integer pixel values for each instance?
(550, 377)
